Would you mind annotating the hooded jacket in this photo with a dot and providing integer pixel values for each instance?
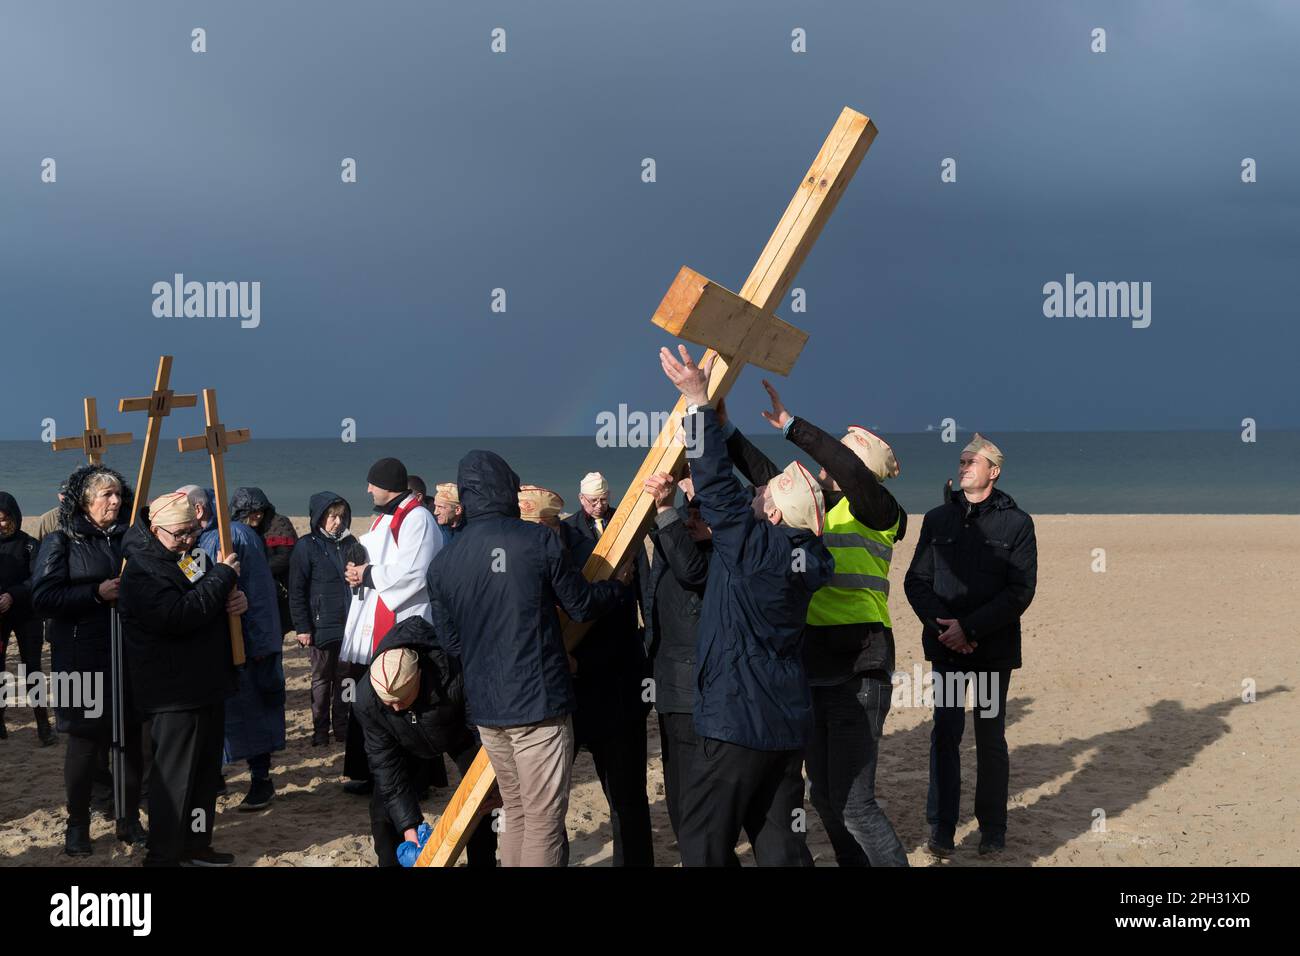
(72, 562)
(262, 634)
(977, 564)
(17, 561)
(434, 724)
(752, 687)
(177, 632)
(493, 594)
(278, 537)
(318, 593)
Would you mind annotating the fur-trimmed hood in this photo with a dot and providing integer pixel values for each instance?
(70, 507)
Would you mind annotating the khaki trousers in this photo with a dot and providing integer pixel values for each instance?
(533, 766)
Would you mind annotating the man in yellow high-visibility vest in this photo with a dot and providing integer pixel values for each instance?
(849, 641)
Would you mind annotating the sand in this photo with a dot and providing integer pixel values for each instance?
(1128, 713)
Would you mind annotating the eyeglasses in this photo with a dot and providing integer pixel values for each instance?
(183, 534)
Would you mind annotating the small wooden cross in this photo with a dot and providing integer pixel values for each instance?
(159, 405)
(94, 439)
(738, 329)
(215, 440)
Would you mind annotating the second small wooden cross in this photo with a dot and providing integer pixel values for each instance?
(215, 440)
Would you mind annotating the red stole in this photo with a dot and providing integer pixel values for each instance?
(384, 616)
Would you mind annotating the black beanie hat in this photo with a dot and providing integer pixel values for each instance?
(389, 474)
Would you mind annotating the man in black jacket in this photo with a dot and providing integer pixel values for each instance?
(493, 596)
(674, 595)
(849, 643)
(610, 719)
(412, 711)
(175, 611)
(972, 577)
(17, 561)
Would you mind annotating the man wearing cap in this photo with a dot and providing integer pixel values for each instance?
(401, 543)
(175, 624)
(412, 711)
(972, 577)
(610, 722)
(753, 709)
(447, 509)
(540, 506)
(849, 644)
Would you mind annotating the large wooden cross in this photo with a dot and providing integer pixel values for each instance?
(737, 329)
(215, 440)
(94, 439)
(159, 405)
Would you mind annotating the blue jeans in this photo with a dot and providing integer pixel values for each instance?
(992, 763)
(841, 757)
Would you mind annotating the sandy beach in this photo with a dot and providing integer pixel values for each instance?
(1130, 740)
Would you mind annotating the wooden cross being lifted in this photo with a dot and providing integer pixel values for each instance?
(215, 440)
(94, 439)
(737, 329)
(159, 405)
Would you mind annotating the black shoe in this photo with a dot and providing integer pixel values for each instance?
(940, 845)
(320, 738)
(132, 833)
(222, 789)
(991, 845)
(77, 840)
(208, 857)
(260, 794)
(44, 733)
(4, 731)
(48, 739)
(359, 788)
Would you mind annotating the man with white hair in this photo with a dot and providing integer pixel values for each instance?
(254, 716)
(849, 645)
(973, 575)
(753, 711)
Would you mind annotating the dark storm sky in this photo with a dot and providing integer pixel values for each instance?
(522, 170)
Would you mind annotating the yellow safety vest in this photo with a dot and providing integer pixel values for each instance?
(858, 591)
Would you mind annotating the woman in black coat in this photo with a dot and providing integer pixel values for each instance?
(318, 601)
(17, 558)
(74, 585)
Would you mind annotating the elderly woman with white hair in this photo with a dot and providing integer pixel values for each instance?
(73, 586)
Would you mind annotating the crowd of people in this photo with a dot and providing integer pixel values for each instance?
(755, 622)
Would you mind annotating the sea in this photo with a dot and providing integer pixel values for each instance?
(1177, 472)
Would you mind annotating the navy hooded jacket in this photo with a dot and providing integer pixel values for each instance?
(494, 591)
(751, 683)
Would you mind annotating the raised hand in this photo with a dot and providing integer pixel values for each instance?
(691, 380)
(778, 416)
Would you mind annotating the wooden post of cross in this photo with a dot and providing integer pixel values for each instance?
(94, 439)
(737, 329)
(215, 440)
(159, 405)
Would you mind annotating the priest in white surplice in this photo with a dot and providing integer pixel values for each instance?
(400, 545)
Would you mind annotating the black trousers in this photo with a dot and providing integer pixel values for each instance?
(677, 744)
(187, 751)
(31, 636)
(617, 746)
(83, 758)
(481, 850)
(992, 761)
(730, 788)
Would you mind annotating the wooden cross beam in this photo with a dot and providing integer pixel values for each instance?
(737, 329)
(94, 439)
(215, 440)
(159, 405)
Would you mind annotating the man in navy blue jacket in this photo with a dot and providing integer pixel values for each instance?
(753, 709)
(493, 595)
